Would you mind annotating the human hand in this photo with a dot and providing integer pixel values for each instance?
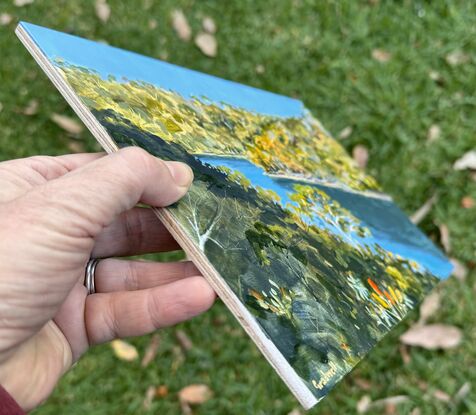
(56, 213)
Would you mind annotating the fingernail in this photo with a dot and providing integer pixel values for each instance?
(182, 173)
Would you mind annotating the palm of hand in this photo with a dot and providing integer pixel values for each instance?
(55, 213)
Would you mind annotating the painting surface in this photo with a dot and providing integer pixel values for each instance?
(323, 260)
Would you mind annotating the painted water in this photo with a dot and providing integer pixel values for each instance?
(389, 226)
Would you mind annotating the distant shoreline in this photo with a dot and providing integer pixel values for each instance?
(366, 193)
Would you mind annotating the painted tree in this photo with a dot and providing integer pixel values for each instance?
(316, 206)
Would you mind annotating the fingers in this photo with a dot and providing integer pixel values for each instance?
(134, 313)
(84, 201)
(135, 232)
(19, 176)
(119, 275)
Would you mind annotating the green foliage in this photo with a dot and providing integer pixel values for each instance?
(301, 280)
(318, 51)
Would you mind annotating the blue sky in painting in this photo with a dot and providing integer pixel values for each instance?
(108, 60)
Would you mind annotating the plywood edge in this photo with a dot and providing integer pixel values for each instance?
(297, 386)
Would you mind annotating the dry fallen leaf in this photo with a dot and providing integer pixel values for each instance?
(124, 351)
(462, 392)
(151, 350)
(467, 202)
(195, 394)
(434, 133)
(432, 336)
(422, 211)
(429, 306)
(295, 411)
(180, 25)
(345, 133)
(162, 391)
(459, 269)
(435, 76)
(467, 162)
(209, 25)
(391, 401)
(21, 3)
(5, 19)
(103, 10)
(149, 397)
(381, 55)
(207, 44)
(260, 69)
(360, 155)
(184, 341)
(415, 411)
(445, 237)
(363, 404)
(152, 24)
(68, 124)
(441, 396)
(31, 108)
(456, 58)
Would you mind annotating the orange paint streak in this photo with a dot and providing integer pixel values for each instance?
(374, 286)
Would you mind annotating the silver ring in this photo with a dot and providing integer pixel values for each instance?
(89, 276)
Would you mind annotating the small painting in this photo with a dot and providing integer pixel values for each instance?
(319, 257)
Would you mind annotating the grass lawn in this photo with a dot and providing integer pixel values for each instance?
(320, 52)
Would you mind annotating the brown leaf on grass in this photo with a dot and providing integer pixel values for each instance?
(415, 411)
(462, 392)
(68, 124)
(103, 10)
(162, 391)
(433, 133)
(152, 24)
(406, 358)
(381, 55)
(456, 58)
(391, 401)
(432, 336)
(5, 19)
(260, 69)
(422, 211)
(195, 394)
(21, 3)
(345, 133)
(151, 350)
(429, 306)
(467, 202)
(435, 76)
(441, 396)
(363, 405)
(179, 358)
(295, 411)
(459, 269)
(149, 397)
(181, 26)
(445, 237)
(207, 44)
(184, 341)
(466, 162)
(360, 155)
(124, 351)
(209, 25)
(31, 108)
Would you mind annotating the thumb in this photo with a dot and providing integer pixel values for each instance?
(60, 219)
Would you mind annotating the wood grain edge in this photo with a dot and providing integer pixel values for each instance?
(292, 380)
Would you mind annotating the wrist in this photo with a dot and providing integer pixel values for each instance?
(31, 372)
